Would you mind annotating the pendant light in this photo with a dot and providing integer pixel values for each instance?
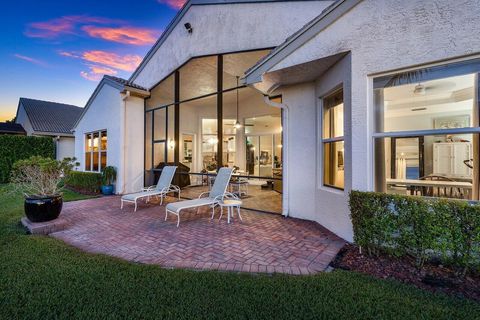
(237, 124)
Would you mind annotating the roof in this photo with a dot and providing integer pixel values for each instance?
(51, 117)
(124, 82)
(299, 38)
(11, 127)
(115, 82)
(179, 17)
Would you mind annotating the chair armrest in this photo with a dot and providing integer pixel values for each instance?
(202, 194)
(226, 195)
(149, 188)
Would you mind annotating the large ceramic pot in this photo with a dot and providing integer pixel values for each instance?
(107, 190)
(43, 208)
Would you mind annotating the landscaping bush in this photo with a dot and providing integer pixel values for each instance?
(420, 227)
(14, 148)
(84, 182)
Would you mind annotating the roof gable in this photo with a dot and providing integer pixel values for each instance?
(50, 117)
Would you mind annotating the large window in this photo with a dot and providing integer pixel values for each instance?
(426, 140)
(333, 140)
(96, 151)
(201, 118)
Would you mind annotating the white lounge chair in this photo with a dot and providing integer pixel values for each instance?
(209, 198)
(163, 187)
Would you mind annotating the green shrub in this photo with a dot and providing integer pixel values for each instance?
(14, 148)
(420, 227)
(84, 182)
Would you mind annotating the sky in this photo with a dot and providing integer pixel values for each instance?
(59, 50)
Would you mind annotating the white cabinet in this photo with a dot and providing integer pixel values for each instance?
(449, 157)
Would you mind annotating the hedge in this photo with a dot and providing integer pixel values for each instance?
(424, 228)
(14, 148)
(84, 182)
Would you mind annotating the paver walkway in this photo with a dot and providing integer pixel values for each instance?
(261, 243)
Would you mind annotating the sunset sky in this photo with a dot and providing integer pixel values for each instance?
(58, 50)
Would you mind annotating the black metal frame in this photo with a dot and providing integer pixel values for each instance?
(176, 105)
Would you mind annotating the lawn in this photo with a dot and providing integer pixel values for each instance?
(42, 278)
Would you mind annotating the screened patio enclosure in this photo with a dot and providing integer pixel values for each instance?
(200, 118)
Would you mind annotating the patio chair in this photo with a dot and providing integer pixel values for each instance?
(210, 198)
(163, 187)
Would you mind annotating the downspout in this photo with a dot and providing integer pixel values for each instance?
(57, 141)
(127, 95)
(286, 186)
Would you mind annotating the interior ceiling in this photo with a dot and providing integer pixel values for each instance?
(442, 95)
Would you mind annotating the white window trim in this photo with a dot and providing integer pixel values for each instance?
(92, 152)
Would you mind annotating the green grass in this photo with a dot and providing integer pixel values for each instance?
(42, 278)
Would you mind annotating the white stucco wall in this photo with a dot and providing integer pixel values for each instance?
(104, 113)
(134, 146)
(381, 35)
(22, 119)
(228, 28)
(65, 148)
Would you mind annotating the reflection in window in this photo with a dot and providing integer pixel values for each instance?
(433, 155)
(333, 140)
(95, 151)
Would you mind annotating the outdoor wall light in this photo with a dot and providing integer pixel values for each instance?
(171, 144)
(188, 26)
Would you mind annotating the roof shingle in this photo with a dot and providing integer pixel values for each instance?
(52, 117)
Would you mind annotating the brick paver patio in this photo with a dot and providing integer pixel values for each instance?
(261, 243)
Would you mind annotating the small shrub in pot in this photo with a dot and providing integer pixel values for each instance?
(39, 180)
(109, 175)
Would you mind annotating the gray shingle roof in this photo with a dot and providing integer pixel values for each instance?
(11, 127)
(52, 117)
(124, 82)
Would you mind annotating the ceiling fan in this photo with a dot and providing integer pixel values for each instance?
(421, 89)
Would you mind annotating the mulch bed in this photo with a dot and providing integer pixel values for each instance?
(433, 277)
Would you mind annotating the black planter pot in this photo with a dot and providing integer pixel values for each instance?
(44, 208)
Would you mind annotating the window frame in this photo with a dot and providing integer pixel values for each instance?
(91, 152)
(450, 68)
(331, 140)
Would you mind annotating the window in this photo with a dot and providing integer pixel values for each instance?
(95, 151)
(333, 140)
(426, 140)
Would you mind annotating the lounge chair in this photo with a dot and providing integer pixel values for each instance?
(163, 187)
(210, 198)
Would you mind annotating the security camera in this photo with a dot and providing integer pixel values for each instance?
(188, 26)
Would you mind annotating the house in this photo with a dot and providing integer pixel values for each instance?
(49, 119)
(109, 131)
(307, 100)
(12, 128)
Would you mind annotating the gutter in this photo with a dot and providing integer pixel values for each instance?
(285, 160)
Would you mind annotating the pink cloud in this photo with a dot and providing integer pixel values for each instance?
(127, 62)
(126, 35)
(96, 72)
(175, 4)
(62, 26)
(69, 54)
(30, 59)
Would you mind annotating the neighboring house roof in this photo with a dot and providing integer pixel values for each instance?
(11, 128)
(50, 117)
(299, 38)
(179, 17)
(115, 82)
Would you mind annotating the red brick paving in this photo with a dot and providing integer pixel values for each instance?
(263, 243)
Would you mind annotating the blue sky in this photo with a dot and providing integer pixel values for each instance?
(58, 50)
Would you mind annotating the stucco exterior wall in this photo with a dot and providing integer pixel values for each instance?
(65, 148)
(134, 146)
(228, 28)
(103, 114)
(382, 35)
(22, 119)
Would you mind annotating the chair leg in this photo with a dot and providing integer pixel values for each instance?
(135, 206)
(121, 205)
(178, 219)
(161, 200)
(166, 215)
(239, 215)
(221, 213)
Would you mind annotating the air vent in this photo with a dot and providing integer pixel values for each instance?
(419, 109)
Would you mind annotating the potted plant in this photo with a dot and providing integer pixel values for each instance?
(39, 179)
(109, 175)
